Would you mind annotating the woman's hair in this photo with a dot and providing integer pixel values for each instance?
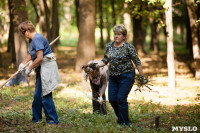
(27, 25)
(120, 28)
(89, 68)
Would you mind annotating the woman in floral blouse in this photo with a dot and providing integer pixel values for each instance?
(120, 54)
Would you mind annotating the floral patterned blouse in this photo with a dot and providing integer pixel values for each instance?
(120, 59)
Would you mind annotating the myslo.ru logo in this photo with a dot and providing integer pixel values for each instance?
(184, 128)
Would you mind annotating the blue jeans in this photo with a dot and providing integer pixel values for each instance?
(118, 90)
(43, 101)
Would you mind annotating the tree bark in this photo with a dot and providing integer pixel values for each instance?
(113, 11)
(194, 33)
(170, 45)
(138, 35)
(36, 10)
(107, 25)
(47, 18)
(77, 12)
(86, 43)
(2, 29)
(127, 23)
(11, 42)
(101, 24)
(18, 10)
(154, 36)
(55, 24)
(188, 35)
(42, 24)
(68, 14)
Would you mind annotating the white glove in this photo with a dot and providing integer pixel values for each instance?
(89, 95)
(21, 65)
(27, 71)
(100, 99)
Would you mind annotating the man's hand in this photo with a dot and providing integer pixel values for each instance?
(27, 71)
(100, 99)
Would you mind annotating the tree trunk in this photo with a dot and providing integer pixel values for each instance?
(42, 24)
(11, 42)
(2, 28)
(47, 18)
(107, 25)
(170, 45)
(188, 35)
(77, 12)
(86, 44)
(67, 12)
(1, 60)
(36, 10)
(194, 33)
(18, 10)
(113, 11)
(154, 36)
(138, 35)
(101, 24)
(127, 23)
(55, 24)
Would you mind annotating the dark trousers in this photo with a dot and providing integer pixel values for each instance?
(118, 90)
(97, 107)
(45, 102)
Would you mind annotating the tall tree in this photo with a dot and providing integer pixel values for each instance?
(101, 24)
(113, 11)
(107, 23)
(86, 43)
(170, 45)
(55, 23)
(77, 12)
(36, 10)
(127, 22)
(194, 33)
(154, 36)
(47, 17)
(18, 10)
(188, 35)
(138, 34)
(11, 42)
(42, 24)
(2, 24)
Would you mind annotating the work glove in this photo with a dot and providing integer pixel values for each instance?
(89, 95)
(27, 71)
(100, 99)
(21, 65)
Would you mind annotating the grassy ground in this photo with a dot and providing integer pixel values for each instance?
(179, 107)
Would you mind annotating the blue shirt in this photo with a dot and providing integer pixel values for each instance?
(39, 43)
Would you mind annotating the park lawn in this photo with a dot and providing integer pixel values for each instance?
(178, 107)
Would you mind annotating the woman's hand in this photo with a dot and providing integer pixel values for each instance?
(89, 95)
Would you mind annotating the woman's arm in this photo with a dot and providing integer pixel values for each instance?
(84, 81)
(38, 60)
(103, 89)
(100, 64)
(28, 58)
(140, 70)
